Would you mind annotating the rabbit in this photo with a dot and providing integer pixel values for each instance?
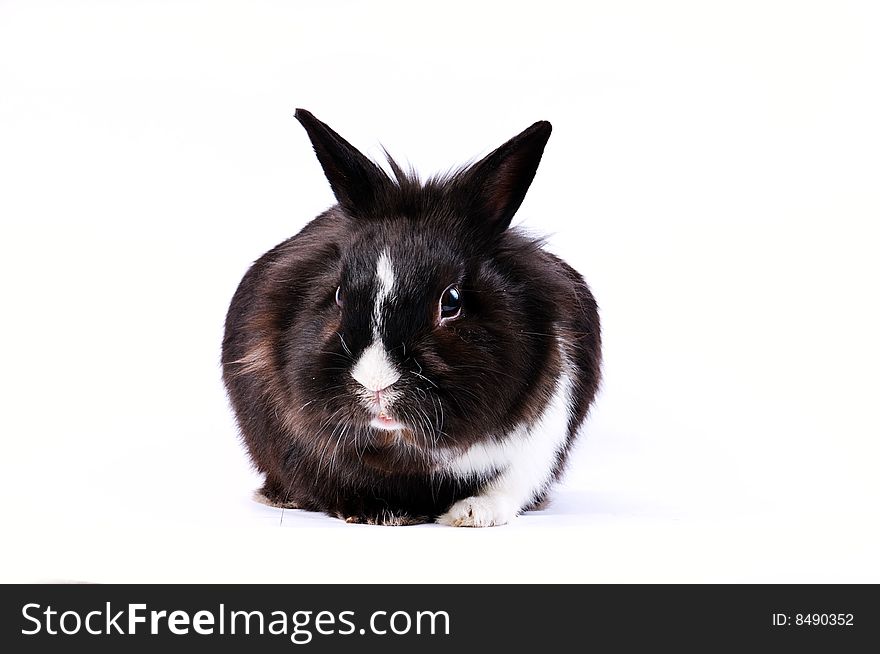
(408, 357)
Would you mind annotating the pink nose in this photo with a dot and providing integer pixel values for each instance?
(379, 394)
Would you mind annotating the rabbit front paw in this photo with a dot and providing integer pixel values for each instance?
(480, 511)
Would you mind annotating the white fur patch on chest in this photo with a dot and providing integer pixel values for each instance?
(524, 458)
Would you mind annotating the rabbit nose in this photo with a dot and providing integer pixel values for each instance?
(374, 370)
(378, 397)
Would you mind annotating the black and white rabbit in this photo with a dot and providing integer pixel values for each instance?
(406, 357)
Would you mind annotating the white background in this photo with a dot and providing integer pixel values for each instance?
(713, 172)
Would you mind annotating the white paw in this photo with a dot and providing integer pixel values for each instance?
(480, 511)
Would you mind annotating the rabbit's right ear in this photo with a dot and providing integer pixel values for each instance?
(356, 181)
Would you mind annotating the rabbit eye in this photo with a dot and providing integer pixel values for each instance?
(339, 296)
(450, 303)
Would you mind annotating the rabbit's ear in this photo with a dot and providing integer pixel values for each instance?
(356, 181)
(497, 184)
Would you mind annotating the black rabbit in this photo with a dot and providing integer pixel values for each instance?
(406, 357)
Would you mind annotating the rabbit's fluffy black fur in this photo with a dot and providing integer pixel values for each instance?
(407, 357)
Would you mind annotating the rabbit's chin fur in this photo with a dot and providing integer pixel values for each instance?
(407, 357)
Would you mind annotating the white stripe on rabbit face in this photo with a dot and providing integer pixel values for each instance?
(374, 369)
(384, 286)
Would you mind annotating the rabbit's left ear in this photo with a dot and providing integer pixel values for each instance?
(356, 181)
(497, 184)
